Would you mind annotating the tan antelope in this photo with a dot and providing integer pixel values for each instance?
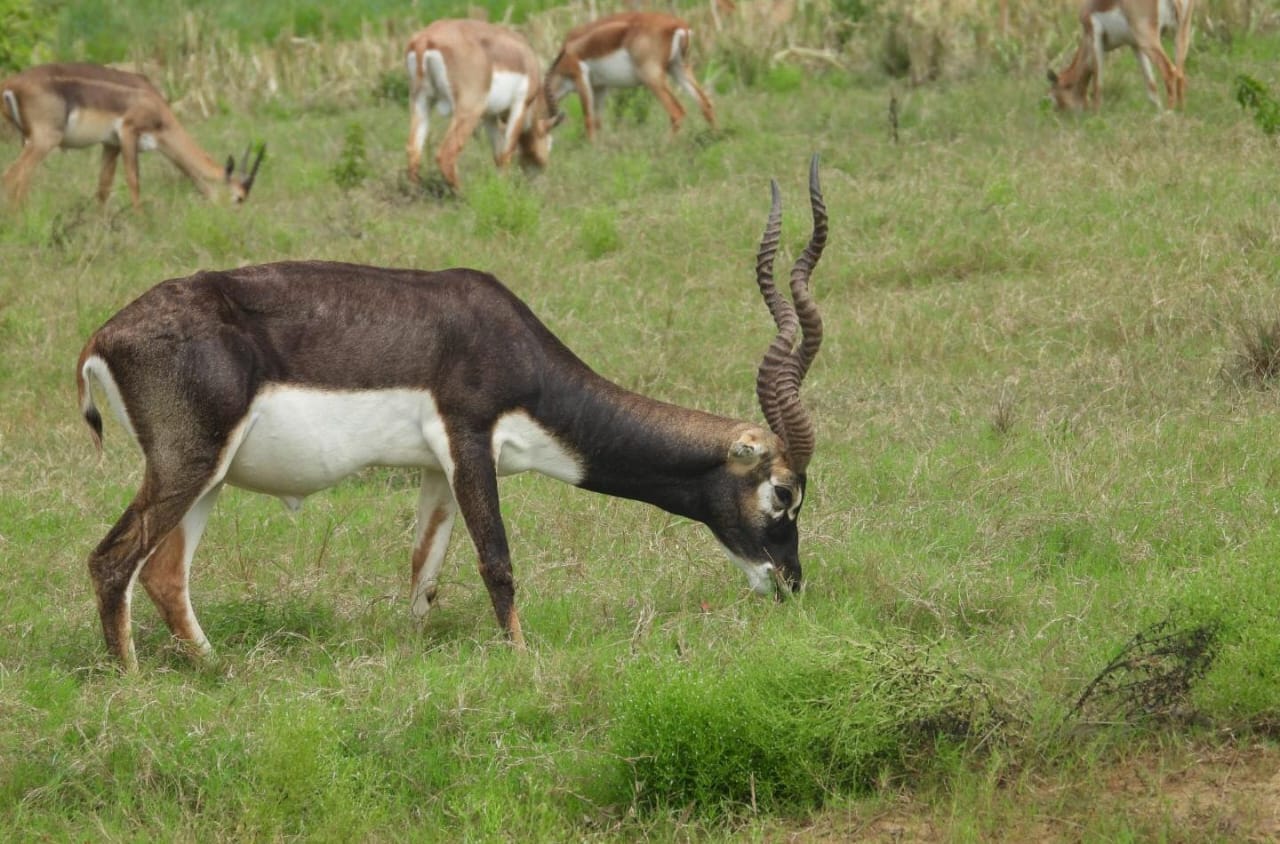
(286, 378)
(477, 72)
(623, 51)
(70, 106)
(1108, 24)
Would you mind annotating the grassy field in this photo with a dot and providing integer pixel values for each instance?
(1044, 468)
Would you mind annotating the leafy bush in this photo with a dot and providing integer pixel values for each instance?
(500, 204)
(22, 32)
(1253, 95)
(789, 724)
(353, 162)
(598, 234)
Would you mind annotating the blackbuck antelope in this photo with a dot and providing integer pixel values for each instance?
(477, 71)
(1108, 24)
(285, 378)
(623, 51)
(80, 105)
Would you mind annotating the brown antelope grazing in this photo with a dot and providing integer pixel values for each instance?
(1139, 24)
(623, 51)
(477, 71)
(80, 105)
(286, 378)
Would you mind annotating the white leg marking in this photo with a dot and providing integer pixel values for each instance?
(436, 512)
(193, 525)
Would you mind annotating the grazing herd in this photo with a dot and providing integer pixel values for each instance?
(286, 378)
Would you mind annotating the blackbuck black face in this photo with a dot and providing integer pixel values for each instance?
(285, 378)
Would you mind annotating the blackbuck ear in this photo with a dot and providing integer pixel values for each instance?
(747, 453)
(1053, 76)
(230, 168)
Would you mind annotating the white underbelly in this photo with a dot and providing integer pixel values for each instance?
(507, 89)
(302, 440)
(1113, 28)
(298, 440)
(612, 70)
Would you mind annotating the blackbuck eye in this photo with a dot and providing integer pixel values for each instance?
(784, 496)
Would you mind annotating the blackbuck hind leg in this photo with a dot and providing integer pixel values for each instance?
(419, 123)
(436, 512)
(167, 574)
(155, 512)
(475, 488)
(683, 75)
(34, 150)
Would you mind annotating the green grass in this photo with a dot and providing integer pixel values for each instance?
(1034, 443)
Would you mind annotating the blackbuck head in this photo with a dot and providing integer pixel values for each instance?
(535, 142)
(771, 470)
(240, 180)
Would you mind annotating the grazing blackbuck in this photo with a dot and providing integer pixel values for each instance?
(477, 72)
(82, 105)
(624, 51)
(1108, 24)
(286, 378)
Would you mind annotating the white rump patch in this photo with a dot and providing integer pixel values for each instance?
(11, 101)
(96, 371)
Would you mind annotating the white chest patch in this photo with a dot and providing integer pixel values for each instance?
(612, 70)
(295, 440)
(520, 444)
(507, 90)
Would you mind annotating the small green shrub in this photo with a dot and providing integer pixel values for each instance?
(22, 32)
(392, 87)
(501, 205)
(783, 79)
(353, 161)
(789, 724)
(1253, 96)
(598, 233)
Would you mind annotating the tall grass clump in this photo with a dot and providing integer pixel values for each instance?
(598, 234)
(502, 204)
(789, 723)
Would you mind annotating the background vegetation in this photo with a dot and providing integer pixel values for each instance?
(1041, 540)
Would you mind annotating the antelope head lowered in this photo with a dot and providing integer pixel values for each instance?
(80, 105)
(285, 378)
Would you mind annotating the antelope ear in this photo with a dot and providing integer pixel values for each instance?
(230, 168)
(549, 123)
(748, 452)
(1053, 77)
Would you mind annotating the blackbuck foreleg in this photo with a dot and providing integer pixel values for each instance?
(1182, 43)
(514, 126)
(110, 155)
(129, 149)
(436, 512)
(656, 81)
(475, 488)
